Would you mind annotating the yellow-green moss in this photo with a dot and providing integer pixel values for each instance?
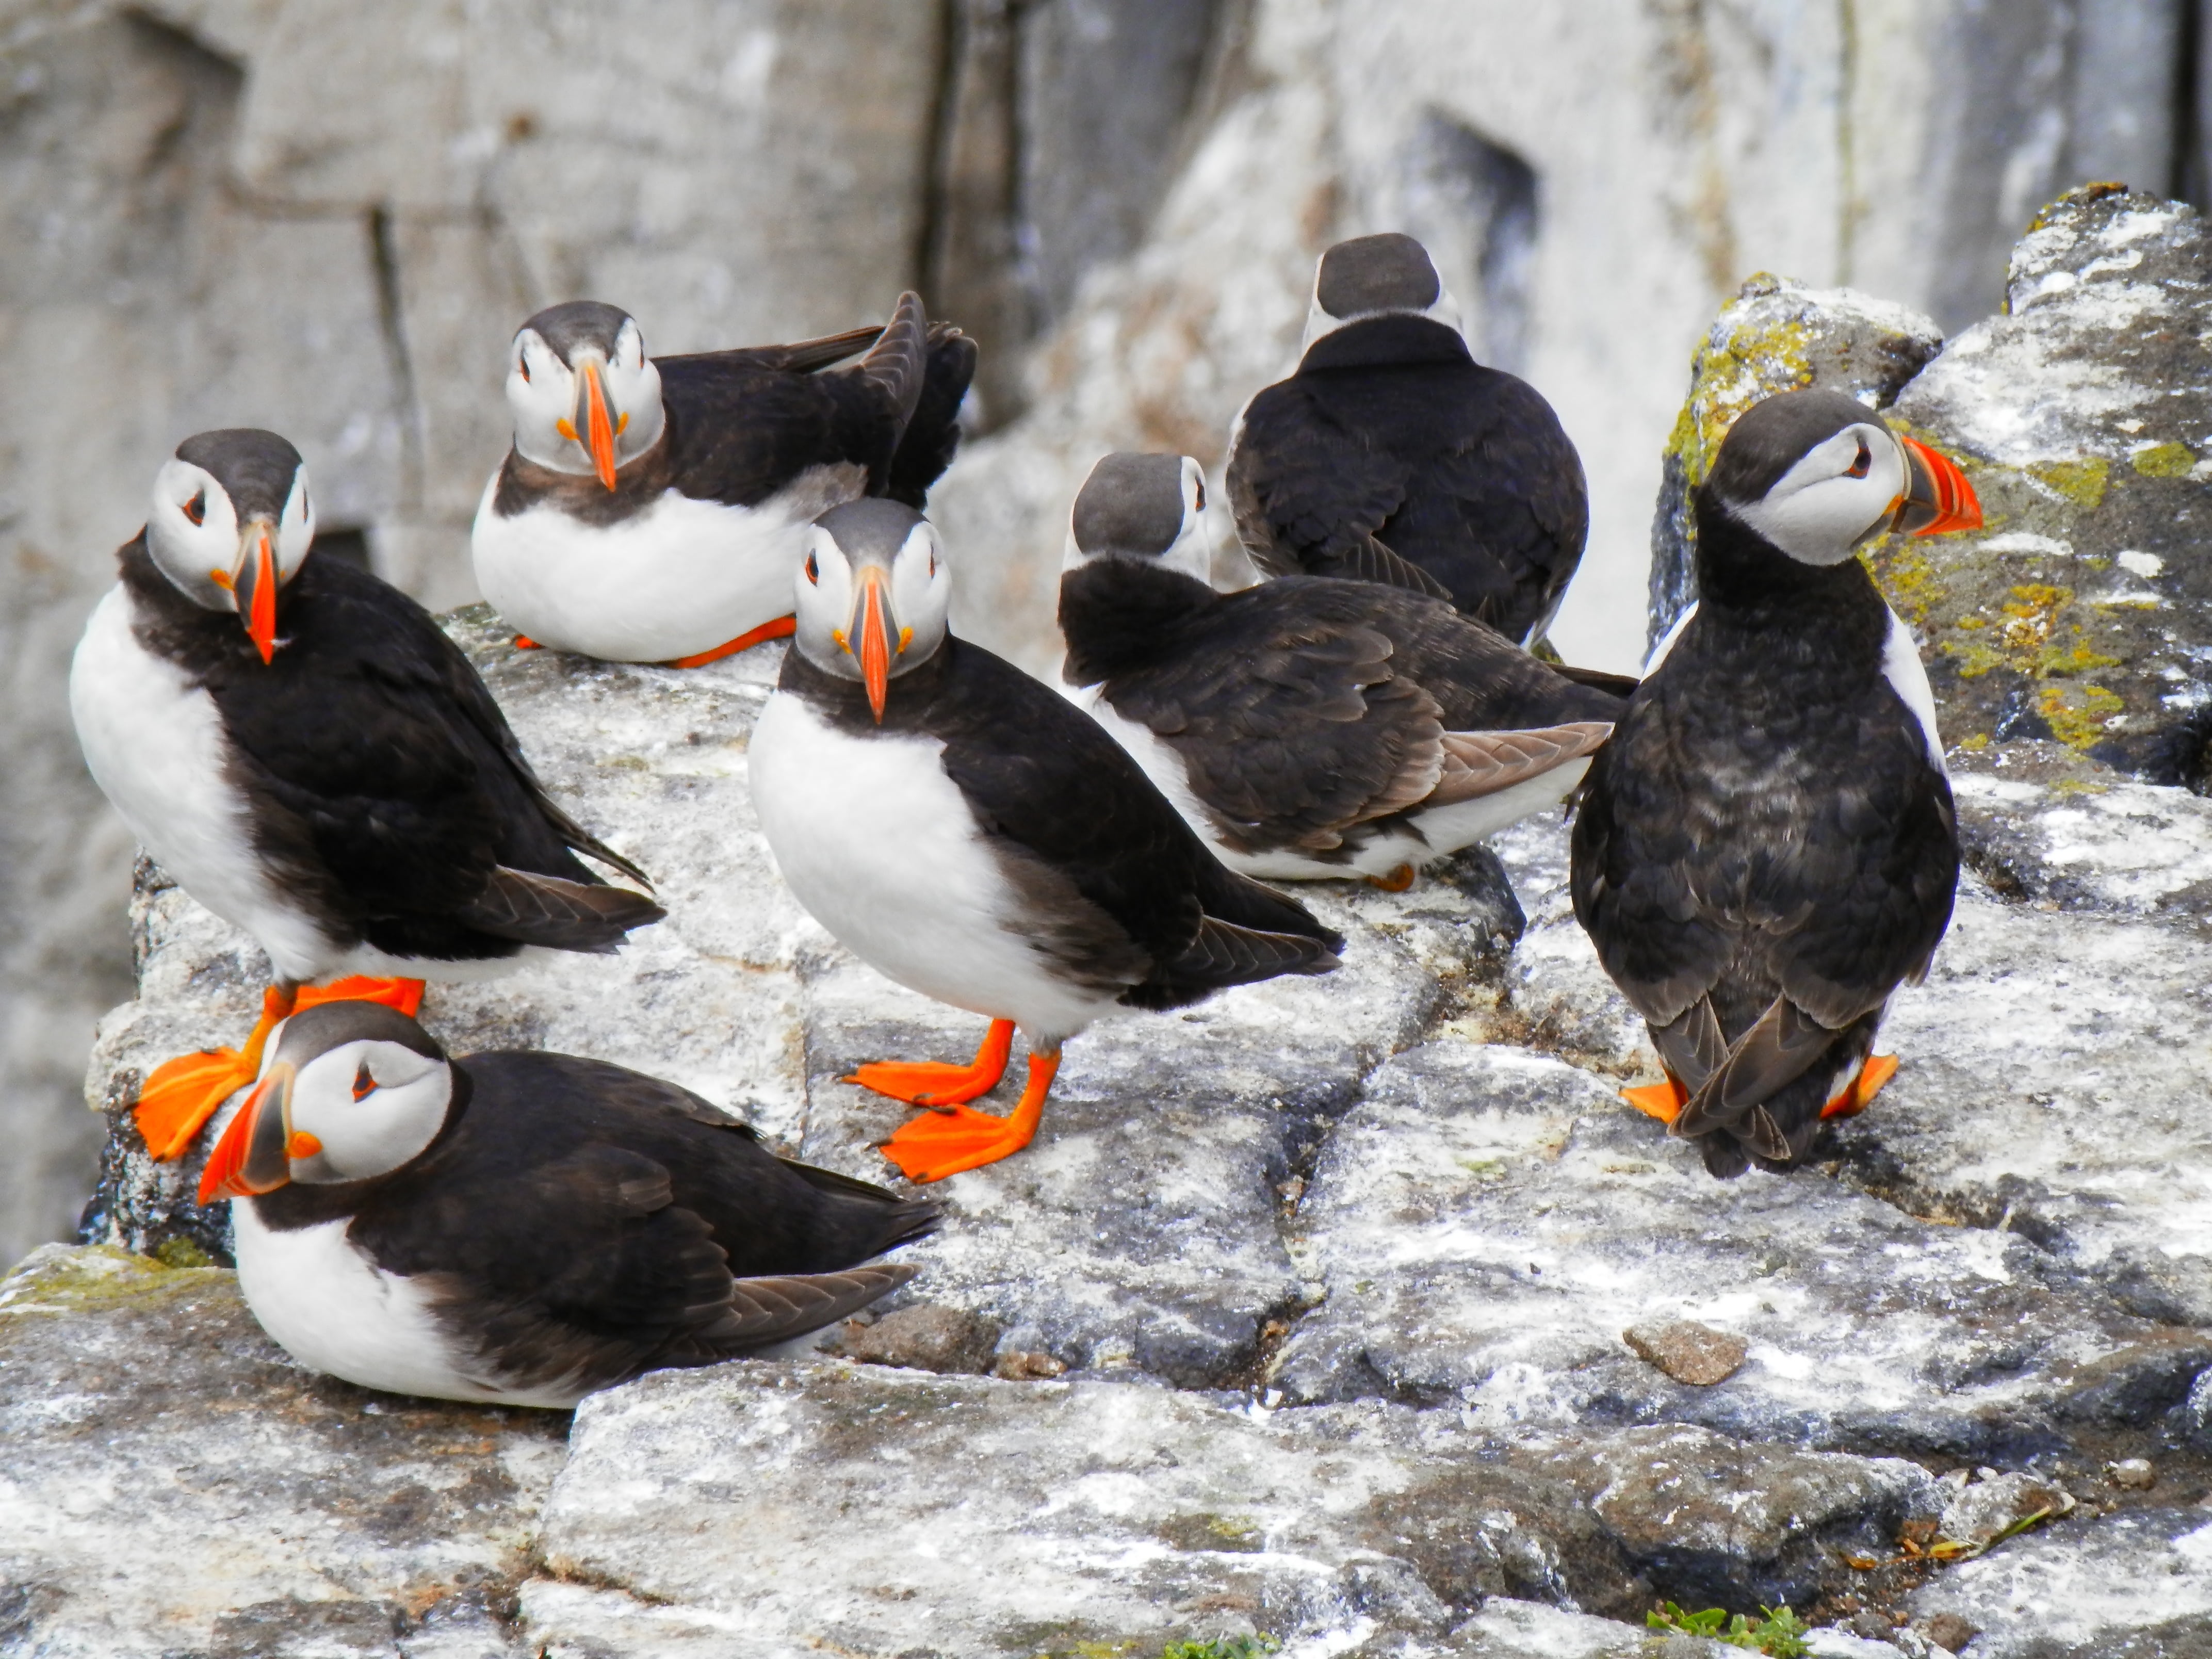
(1975, 741)
(2080, 195)
(2163, 461)
(2081, 482)
(1907, 579)
(179, 1252)
(1753, 360)
(88, 1281)
(2077, 714)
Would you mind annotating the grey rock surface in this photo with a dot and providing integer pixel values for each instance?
(173, 1483)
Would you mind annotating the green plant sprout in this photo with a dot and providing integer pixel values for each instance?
(1777, 1632)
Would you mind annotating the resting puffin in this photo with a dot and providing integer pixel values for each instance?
(652, 510)
(1307, 727)
(1391, 455)
(523, 1228)
(309, 757)
(958, 827)
(1767, 849)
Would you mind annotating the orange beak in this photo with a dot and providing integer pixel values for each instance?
(598, 426)
(255, 590)
(875, 653)
(252, 1156)
(1937, 499)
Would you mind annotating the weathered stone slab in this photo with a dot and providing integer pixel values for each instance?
(173, 1483)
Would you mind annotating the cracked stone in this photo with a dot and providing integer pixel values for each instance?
(173, 1483)
(1686, 1350)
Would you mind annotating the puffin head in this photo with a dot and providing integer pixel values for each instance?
(1816, 473)
(874, 592)
(347, 1090)
(230, 524)
(1386, 275)
(585, 397)
(1149, 509)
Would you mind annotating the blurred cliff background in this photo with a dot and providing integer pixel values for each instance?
(328, 218)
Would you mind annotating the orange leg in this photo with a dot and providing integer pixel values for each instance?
(404, 995)
(180, 1095)
(524, 642)
(1663, 1101)
(1396, 881)
(945, 1142)
(781, 627)
(931, 1083)
(1855, 1098)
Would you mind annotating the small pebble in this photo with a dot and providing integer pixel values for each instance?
(1686, 1350)
(1019, 1367)
(1948, 1631)
(2135, 1474)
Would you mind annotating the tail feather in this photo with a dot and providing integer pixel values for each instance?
(768, 1311)
(898, 361)
(549, 910)
(932, 435)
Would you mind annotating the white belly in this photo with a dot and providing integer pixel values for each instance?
(682, 577)
(334, 1311)
(880, 847)
(155, 743)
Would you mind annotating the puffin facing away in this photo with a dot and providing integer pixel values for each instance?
(652, 510)
(300, 746)
(1392, 456)
(1307, 727)
(1767, 849)
(523, 1228)
(963, 831)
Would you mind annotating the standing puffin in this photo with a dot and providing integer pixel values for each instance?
(962, 829)
(309, 757)
(1767, 849)
(1307, 727)
(1392, 456)
(523, 1228)
(652, 510)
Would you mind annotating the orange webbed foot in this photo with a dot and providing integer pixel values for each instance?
(404, 995)
(1877, 1071)
(960, 1138)
(934, 1082)
(180, 1095)
(1663, 1101)
(524, 642)
(781, 627)
(1396, 881)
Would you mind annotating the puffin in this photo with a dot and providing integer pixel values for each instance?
(1390, 455)
(652, 509)
(1766, 848)
(304, 751)
(968, 833)
(1310, 726)
(522, 1228)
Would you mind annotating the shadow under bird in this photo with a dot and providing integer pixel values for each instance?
(523, 1228)
(1767, 848)
(653, 509)
(961, 828)
(1390, 455)
(1307, 727)
(305, 752)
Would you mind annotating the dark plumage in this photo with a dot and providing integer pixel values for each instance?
(1392, 456)
(1767, 847)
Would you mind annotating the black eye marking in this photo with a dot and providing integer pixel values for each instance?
(1860, 462)
(363, 1083)
(1201, 495)
(522, 364)
(195, 509)
(814, 570)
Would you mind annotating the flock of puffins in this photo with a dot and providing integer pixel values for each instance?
(1764, 844)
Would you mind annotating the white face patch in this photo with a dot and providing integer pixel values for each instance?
(371, 1107)
(542, 398)
(919, 595)
(1820, 510)
(195, 538)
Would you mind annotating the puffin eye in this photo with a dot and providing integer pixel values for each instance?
(195, 509)
(363, 1083)
(1860, 462)
(1201, 495)
(814, 570)
(522, 366)
(932, 562)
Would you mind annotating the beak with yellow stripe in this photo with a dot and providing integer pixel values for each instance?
(230, 524)
(874, 593)
(348, 1091)
(584, 397)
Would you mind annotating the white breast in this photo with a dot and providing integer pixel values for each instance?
(154, 743)
(882, 849)
(334, 1311)
(1901, 667)
(681, 577)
